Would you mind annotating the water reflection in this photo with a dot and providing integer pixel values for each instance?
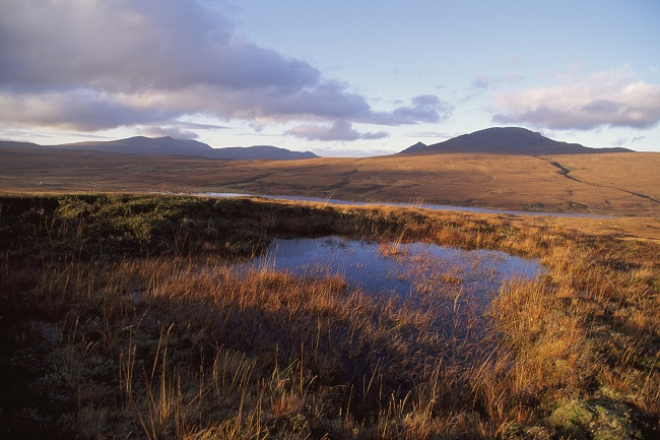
(433, 207)
(417, 272)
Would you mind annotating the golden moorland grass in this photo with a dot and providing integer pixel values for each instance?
(615, 183)
(122, 318)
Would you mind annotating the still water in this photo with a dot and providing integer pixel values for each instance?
(405, 271)
(429, 206)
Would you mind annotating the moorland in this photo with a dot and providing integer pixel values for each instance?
(616, 183)
(122, 316)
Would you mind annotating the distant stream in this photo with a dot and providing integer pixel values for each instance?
(402, 205)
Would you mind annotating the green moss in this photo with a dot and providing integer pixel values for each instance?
(593, 420)
(572, 418)
(613, 424)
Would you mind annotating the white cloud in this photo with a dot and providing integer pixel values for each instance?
(607, 99)
(339, 131)
(174, 132)
(423, 108)
(77, 109)
(197, 125)
(91, 65)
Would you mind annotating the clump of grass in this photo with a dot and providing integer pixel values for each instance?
(123, 318)
(202, 347)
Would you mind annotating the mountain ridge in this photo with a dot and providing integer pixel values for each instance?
(170, 146)
(506, 140)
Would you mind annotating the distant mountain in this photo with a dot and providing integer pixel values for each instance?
(506, 140)
(170, 146)
(17, 144)
(144, 145)
(419, 146)
(262, 152)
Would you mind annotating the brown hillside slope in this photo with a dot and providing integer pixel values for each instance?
(636, 172)
(620, 184)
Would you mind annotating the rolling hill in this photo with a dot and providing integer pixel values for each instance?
(622, 183)
(506, 140)
(170, 146)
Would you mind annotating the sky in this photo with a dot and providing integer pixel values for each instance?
(341, 78)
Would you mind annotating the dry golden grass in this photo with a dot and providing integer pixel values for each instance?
(614, 171)
(122, 319)
(619, 184)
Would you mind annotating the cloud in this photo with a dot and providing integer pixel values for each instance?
(339, 131)
(431, 134)
(491, 82)
(77, 109)
(624, 140)
(484, 83)
(198, 126)
(91, 65)
(174, 132)
(606, 99)
(178, 129)
(620, 142)
(11, 134)
(424, 108)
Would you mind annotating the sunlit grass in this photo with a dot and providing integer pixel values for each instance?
(122, 317)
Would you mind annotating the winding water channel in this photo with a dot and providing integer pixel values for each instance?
(433, 207)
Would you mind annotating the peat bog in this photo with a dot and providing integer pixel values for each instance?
(123, 316)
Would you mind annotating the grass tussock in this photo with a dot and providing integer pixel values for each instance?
(122, 317)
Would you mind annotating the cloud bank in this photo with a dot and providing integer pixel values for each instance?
(174, 132)
(91, 65)
(339, 131)
(606, 99)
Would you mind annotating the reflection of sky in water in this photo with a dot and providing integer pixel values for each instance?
(433, 207)
(417, 268)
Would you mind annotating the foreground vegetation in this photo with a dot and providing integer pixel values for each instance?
(120, 317)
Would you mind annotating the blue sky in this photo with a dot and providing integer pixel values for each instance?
(338, 78)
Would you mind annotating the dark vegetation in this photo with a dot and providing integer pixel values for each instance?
(121, 317)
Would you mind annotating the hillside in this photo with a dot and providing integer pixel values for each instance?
(615, 184)
(262, 152)
(170, 146)
(506, 140)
